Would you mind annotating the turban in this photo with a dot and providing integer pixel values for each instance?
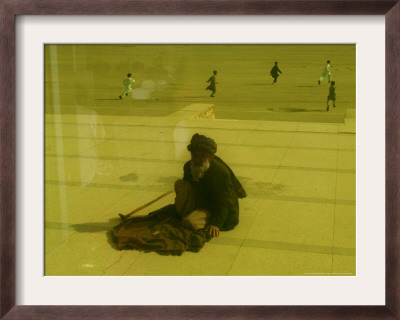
(202, 143)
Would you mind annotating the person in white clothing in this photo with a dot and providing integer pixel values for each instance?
(326, 72)
(128, 85)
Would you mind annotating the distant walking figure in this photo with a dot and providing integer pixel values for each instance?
(331, 96)
(128, 85)
(326, 72)
(212, 82)
(274, 72)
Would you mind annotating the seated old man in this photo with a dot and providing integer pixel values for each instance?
(208, 194)
(206, 203)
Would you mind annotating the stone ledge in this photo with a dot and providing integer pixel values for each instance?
(195, 111)
(349, 122)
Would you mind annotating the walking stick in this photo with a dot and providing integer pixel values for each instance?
(126, 216)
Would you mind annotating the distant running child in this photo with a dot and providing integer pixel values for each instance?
(212, 84)
(128, 85)
(326, 72)
(274, 72)
(331, 96)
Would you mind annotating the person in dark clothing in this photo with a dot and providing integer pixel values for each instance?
(206, 203)
(212, 84)
(274, 72)
(207, 197)
(331, 96)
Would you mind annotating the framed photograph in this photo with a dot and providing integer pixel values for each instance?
(97, 122)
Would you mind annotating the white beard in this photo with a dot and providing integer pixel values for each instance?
(199, 171)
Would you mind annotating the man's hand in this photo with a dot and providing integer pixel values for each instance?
(213, 231)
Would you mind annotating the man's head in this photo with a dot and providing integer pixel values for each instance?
(333, 83)
(203, 144)
(129, 75)
(329, 61)
(215, 72)
(276, 63)
(202, 150)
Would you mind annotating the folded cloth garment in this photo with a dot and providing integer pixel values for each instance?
(160, 231)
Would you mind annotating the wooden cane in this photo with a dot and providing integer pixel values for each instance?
(126, 216)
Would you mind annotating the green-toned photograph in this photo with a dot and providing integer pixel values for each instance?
(200, 160)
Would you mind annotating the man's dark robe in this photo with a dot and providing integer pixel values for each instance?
(274, 71)
(212, 85)
(218, 192)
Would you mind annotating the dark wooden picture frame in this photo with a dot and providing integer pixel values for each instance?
(10, 9)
